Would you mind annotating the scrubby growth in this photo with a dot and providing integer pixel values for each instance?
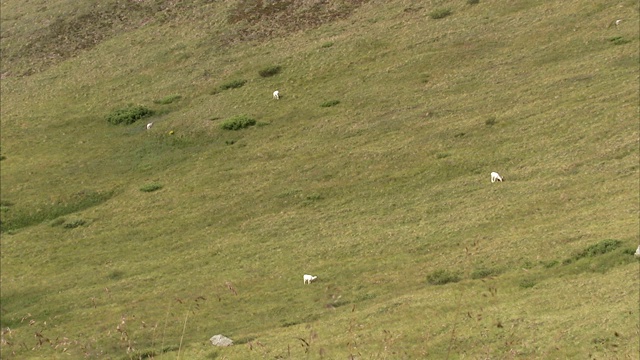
(270, 71)
(441, 277)
(440, 13)
(237, 122)
(330, 103)
(233, 84)
(129, 114)
(168, 100)
(151, 187)
(600, 248)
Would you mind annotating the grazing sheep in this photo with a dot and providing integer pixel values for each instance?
(308, 278)
(618, 22)
(149, 125)
(638, 251)
(276, 95)
(495, 177)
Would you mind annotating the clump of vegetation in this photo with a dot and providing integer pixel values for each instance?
(482, 273)
(327, 44)
(58, 222)
(234, 84)
(237, 122)
(330, 103)
(527, 283)
(490, 121)
(168, 100)
(129, 114)
(151, 187)
(440, 13)
(270, 71)
(619, 40)
(600, 248)
(441, 277)
(473, 2)
(74, 224)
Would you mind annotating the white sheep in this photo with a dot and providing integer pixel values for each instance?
(638, 251)
(495, 177)
(149, 125)
(308, 278)
(276, 95)
(618, 22)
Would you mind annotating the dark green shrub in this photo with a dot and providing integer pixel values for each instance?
(527, 283)
(441, 277)
(490, 121)
(74, 224)
(128, 115)
(619, 40)
(473, 2)
(270, 71)
(482, 273)
(327, 44)
(151, 187)
(234, 84)
(237, 123)
(168, 99)
(330, 103)
(600, 248)
(440, 13)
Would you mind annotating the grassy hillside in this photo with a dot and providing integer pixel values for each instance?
(371, 172)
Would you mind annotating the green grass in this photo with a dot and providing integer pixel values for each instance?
(374, 196)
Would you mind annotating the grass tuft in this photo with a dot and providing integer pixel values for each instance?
(233, 84)
(128, 115)
(168, 100)
(441, 277)
(270, 71)
(237, 122)
(440, 13)
(330, 103)
(151, 187)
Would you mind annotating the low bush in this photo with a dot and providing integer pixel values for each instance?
(237, 123)
(168, 100)
(330, 103)
(441, 277)
(128, 115)
(600, 248)
(619, 40)
(440, 13)
(234, 84)
(482, 273)
(74, 224)
(527, 283)
(151, 187)
(270, 71)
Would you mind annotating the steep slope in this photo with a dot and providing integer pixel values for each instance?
(372, 172)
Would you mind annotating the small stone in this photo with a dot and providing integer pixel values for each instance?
(220, 340)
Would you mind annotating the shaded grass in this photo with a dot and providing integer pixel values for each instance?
(19, 217)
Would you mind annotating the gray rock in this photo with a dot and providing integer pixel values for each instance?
(220, 340)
